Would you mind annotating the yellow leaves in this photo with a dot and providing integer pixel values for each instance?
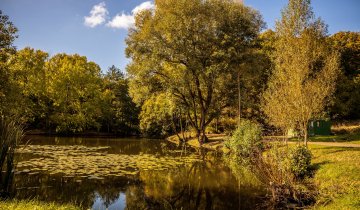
(305, 69)
(156, 110)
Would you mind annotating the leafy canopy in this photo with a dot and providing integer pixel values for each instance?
(305, 69)
(192, 50)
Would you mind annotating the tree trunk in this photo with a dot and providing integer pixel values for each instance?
(239, 99)
(305, 136)
(181, 128)
(285, 137)
(198, 135)
(201, 135)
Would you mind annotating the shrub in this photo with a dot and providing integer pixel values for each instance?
(246, 140)
(279, 168)
(300, 160)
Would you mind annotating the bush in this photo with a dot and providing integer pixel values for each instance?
(279, 170)
(246, 140)
(300, 160)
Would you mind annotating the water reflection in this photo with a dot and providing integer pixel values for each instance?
(200, 185)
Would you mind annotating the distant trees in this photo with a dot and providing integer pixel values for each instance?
(305, 69)
(347, 95)
(68, 94)
(119, 112)
(192, 50)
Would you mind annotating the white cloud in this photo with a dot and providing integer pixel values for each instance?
(121, 21)
(125, 21)
(143, 6)
(97, 16)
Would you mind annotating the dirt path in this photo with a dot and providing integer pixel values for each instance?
(329, 144)
(217, 141)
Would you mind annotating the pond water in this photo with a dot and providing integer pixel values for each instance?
(105, 173)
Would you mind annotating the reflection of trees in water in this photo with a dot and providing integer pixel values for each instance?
(68, 190)
(110, 192)
(251, 190)
(203, 185)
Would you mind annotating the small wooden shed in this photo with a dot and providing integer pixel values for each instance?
(319, 128)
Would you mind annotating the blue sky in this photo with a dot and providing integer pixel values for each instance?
(97, 28)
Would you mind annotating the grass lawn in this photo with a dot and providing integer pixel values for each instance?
(337, 177)
(353, 138)
(33, 205)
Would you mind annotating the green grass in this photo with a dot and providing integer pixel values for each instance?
(337, 177)
(34, 205)
(353, 138)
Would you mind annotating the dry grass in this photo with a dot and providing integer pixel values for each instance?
(346, 127)
(34, 205)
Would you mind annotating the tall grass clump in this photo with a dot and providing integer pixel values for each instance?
(10, 134)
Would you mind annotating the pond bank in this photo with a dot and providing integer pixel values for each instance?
(215, 143)
(337, 168)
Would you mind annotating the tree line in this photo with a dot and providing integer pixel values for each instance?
(199, 66)
(66, 94)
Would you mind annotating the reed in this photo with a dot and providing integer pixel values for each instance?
(10, 134)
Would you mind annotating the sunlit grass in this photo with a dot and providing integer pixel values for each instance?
(337, 177)
(353, 138)
(347, 127)
(34, 205)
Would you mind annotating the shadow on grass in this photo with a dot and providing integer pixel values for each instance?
(316, 166)
(337, 138)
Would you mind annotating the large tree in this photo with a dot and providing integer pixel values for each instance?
(305, 69)
(8, 33)
(192, 50)
(74, 88)
(28, 78)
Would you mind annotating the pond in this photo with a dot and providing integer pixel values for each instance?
(105, 173)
